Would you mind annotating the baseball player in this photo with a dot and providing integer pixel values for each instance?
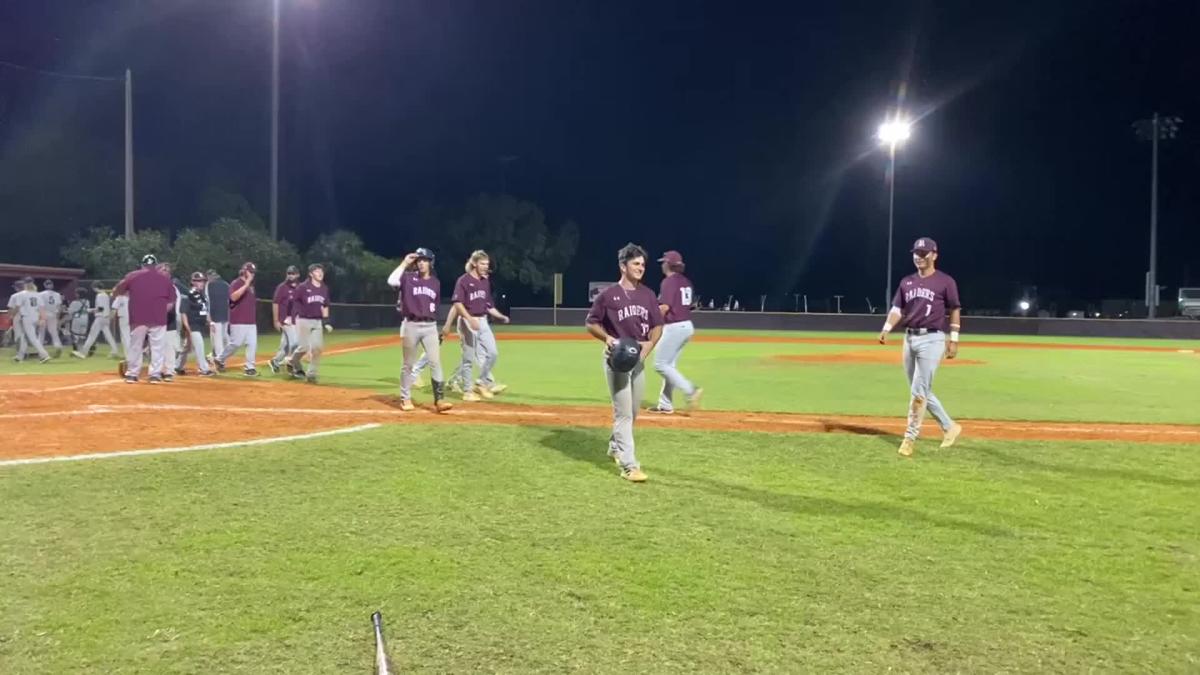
(27, 320)
(120, 311)
(626, 309)
(151, 296)
(920, 305)
(423, 362)
(100, 327)
(312, 320)
(173, 344)
(283, 316)
(420, 292)
(14, 302)
(217, 295)
(194, 315)
(243, 326)
(77, 314)
(52, 308)
(675, 301)
(473, 305)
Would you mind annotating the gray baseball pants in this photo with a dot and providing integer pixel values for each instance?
(419, 335)
(289, 341)
(674, 337)
(626, 390)
(311, 336)
(28, 328)
(922, 356)
(158, 340)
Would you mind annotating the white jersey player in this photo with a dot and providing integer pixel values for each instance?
(101, 318)
(28, 307)
(52, 307)
(120, 307)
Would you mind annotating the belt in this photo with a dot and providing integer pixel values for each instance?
(413, 319)
(921, 331)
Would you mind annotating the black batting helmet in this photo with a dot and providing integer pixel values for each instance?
(249, 267)
(149, 259)
(426, 253)
(292, 269)
(624, 355)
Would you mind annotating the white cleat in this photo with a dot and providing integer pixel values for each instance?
(951, 435)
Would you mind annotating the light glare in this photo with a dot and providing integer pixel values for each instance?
(1024, 305)
(894, 132)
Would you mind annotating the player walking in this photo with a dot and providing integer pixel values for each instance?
(920, 306)
(217, 295)
(312, 319)
(151, 296)
(420, 292)
(52, 308)
(473, 304)
(77, 314)
(100, 321)
(626, 309)
(243, 327)
(194, 314)
(27, 321)
(283, 317)
(675, 301)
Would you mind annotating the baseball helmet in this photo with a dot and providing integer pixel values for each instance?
(426, 253)
(198, 276)
(292, 269)
(149, 259)
(624, 355)
(249, 267)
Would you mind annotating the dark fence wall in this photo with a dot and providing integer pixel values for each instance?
(1178, 329)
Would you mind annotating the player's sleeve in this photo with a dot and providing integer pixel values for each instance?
(898, 300)
(596, 313)
(656, 316)
(460, 290)
(952, 301)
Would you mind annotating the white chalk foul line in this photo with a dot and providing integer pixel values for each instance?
(188, 448)
(67, 387)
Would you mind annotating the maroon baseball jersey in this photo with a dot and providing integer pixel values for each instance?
(676, 294)
(625, 313)
(419, 297)
(311, 299)
(474, 294)
(241, 311)
(285, 297)
(151, 295)
(925, 302)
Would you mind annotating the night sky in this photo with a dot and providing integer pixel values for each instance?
(740, 133)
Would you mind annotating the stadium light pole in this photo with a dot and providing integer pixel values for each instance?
(128, 153)
(892, 134)
(1154, 129)
(275, 119)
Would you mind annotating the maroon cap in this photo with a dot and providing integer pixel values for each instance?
(925, 245)
(672, 258)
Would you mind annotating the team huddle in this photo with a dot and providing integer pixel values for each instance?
(161, 318)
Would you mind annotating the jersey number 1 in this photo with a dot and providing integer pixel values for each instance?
(685, 296)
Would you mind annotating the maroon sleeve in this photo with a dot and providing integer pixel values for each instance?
(656, 315)
(898, 300)
(123, 284)
(460, 290)
(280, 294)
(664, 291)
(596, 313)
(952, 301)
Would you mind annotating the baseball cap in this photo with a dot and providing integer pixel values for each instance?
(672, 258)
(925, 245)
(250, 267)
(423, 252)
(149, 259)
(48, 284)
(198, 276)
(292, 269)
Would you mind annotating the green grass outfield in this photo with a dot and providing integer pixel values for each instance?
(507, 549)
(517, 549)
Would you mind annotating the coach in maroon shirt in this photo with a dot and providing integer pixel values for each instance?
(151, 297)
(927, 306)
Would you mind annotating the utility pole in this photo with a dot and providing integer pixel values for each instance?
(275, 120)
(128, 153)
(1154, 129)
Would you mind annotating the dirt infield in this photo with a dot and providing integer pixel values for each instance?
(62, 415)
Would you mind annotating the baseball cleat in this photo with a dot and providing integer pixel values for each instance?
(155, 379)
(131, 379)
(181, 371)
(484, 392)
(310, 379)
(951, 435)
(471, 397)
(407, 405)
(207, 373)
(659, 410)
(906, 448)
(455, 387)
(250, 372)
(45, 360)
(77, 355)
(273, 366)
(442, 405)
(498, 388)
(167, 377)
(634, 475)
(693, 401)
(16, 359)
(220, 365)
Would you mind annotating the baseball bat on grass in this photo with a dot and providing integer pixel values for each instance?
(381, 659)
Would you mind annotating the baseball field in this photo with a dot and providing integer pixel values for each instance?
(779, 530)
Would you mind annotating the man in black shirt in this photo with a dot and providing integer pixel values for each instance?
(194, 313)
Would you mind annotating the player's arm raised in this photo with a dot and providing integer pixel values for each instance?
(395, 276)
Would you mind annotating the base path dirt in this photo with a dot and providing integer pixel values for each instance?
(59, 415)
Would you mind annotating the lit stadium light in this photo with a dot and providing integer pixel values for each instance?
(1024, 305)
(894, 132)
